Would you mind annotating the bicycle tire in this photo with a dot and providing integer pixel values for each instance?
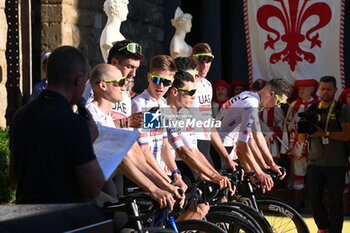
(158, 230)
(281, 216)
(238, 212)
(231, 223)
(258, 217)
(197, 225)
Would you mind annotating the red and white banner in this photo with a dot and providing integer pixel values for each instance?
(295, 39)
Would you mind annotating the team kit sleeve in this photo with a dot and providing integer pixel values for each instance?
(249, 120)
(174, 138)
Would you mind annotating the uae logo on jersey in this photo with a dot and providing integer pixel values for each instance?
(152, 120)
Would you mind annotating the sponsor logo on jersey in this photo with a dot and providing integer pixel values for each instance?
(228, 103)
(204, 99)
(119, 107)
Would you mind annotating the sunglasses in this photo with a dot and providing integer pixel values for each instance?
(132, 48)
(189, 92)
(120, 82)
(196, 74)
(158, 79)
(204, 57)
(279, 100)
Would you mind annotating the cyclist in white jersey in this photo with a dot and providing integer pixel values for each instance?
(179, 99)
(155, 141)
(126, 56)
(201, 108)
(107, 91)
(240, 124)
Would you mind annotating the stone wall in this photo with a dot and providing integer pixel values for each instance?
(79, 23)
(3, 65)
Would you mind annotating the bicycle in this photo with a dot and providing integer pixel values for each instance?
(146, 216)
(229, 221)
(280, 215)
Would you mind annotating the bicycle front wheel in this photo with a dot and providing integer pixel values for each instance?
(192, 226)
(282, 217)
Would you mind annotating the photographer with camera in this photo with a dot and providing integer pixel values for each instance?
(327, 161)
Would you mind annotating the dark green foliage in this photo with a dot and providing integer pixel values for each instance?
(7, 191)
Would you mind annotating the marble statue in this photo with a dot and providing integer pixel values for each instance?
(117, 11)
(183, 23)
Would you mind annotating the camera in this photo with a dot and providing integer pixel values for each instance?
(308, 121)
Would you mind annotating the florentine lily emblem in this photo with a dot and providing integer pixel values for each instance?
(293, 21)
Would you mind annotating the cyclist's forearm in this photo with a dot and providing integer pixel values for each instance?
(256, 153)
(262, 146)
(194, 161)
(168, 157)
(128, 168)
(148, 171)
(245, 155)
(151, 160)
(219, 147)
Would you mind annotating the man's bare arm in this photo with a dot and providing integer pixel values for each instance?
(151, 160)
(257, 154)
(244, 151)
(220, 148)
(169, 160)
(262, 146)
(128, 168)
(136, 156)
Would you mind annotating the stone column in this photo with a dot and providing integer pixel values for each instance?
(3, 64)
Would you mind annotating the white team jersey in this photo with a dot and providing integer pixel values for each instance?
(120, 110)
(201, 107)
(239, 116)
(153, 137)
(100, 117)
(183, 135)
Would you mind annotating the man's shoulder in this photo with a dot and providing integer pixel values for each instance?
(140, 97)
(206, 82)
(245, 99)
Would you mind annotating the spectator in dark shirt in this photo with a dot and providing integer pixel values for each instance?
(52, 158)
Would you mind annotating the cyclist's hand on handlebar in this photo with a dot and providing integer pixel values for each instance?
(178, 180)
(164, 198)
(278, 170)
(266, 181)
(223, 182)
(231, 164)
(179, 195)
